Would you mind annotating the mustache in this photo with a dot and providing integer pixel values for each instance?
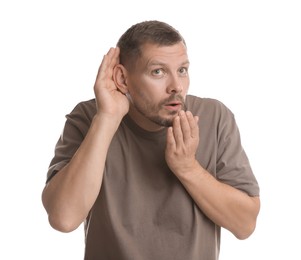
(173, 98)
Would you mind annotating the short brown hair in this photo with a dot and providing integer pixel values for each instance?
(154, 32)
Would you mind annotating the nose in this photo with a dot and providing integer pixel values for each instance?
(174, 85)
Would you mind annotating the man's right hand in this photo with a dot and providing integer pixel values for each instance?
(110, 101)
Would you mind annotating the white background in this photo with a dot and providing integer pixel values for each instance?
(244, 53)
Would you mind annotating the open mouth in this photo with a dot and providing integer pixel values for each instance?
(175, 105)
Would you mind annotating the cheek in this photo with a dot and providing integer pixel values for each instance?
(185, 85)
(147, 89)
(140, 95)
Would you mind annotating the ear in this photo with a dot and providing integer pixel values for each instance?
(120, 78)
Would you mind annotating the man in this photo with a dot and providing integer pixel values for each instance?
(153, 172)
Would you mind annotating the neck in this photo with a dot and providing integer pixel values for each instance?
(142, 121)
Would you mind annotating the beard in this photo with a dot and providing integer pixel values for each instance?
(152, 111)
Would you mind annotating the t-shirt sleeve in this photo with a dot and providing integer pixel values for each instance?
(233, 166)
(75, 129)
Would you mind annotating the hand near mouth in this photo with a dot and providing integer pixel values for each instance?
(182, 143)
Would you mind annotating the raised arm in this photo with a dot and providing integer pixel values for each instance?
(71, 193)
(224, 205)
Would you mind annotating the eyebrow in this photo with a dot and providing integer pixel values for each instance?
(156, 63)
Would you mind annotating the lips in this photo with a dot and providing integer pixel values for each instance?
(173, 105)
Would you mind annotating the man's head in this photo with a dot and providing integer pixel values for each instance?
(152, 32)
(153, 72)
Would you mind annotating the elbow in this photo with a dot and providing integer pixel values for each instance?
(245, 232)
(62, 224)
(59, 219)
(248, 226)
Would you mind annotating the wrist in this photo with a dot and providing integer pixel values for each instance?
(106, 121)
(103, 128)
(189, 171)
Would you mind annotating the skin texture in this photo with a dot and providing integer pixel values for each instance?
(153, 95)
(160, 79)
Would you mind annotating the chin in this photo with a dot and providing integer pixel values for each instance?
(164, 121)
(167, 123)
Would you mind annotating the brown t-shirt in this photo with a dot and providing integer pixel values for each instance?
(143, 212)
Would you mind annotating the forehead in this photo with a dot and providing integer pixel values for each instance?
(174, 54)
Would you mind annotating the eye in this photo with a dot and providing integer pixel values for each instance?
(157, 72)
(183, 71)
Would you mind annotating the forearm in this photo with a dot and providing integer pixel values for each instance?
(71, 193)
(224, 205)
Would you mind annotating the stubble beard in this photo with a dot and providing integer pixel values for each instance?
(151, 112)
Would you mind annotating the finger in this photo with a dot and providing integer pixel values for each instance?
(102, 68)
(170, 140)
(113, 56)
(108, 62)
(193, 124)
(116, 55)
(177, 131)
(185, 126)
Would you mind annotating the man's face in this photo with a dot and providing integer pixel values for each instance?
(158, 85)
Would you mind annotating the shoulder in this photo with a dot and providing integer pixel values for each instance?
(208, 106)
(81, 116)
(86, 109)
